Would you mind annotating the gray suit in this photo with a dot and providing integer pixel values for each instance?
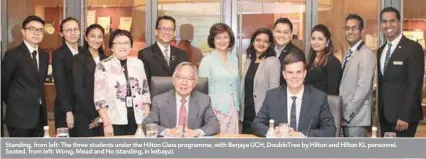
(356, 91)
(200, 113)
(267, 77)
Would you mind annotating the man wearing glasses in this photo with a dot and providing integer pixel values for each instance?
(356, 86)
(24, 70)
(161, 58)
(183, 111)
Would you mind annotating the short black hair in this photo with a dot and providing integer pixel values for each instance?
(356, 17)
(165, 17)
(30, 19)
(251, 51)
(284, 21)
(66, 20)
(217, 29)
(119, 32)
(294, 57)
(391, 9)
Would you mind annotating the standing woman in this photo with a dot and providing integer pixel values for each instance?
(86, 117)
(121, 92)
(221, 68)
(324, 69)
(62, 62)
(261, 73)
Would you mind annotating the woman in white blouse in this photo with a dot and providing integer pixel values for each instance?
(121, 92)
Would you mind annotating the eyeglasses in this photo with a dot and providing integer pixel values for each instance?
(187, 79)
(347, 28)
(75, 30)
(122, 43)
(166, 29)
(35, 30)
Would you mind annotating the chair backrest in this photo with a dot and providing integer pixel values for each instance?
(164, 84)
(335, 103)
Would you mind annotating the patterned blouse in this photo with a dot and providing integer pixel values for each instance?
(111, 85)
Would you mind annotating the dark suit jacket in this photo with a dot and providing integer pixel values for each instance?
(287, 49)
(314, 115)
(327, 78)
(23, 87)
(400, 88)
(83, 72)
(155, 63)
(200, 113)
(62, 74)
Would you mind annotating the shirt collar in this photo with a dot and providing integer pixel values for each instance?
(395, 41)
(354, 48)
(162, 47)
(178, 97)
(279, 50)
(73, 51)
(30, 48)
(298, 95)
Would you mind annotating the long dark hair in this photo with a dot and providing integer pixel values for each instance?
(251, 51)
(90, 28)
(62, 25)
(328, 51)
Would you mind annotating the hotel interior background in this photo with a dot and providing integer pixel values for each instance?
(194, 18)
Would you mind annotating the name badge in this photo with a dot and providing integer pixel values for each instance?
(129, 101)
(398, 63)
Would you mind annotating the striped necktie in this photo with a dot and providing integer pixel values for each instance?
(348, 56)
(388, 55)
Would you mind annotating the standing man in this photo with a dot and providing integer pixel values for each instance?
(283, 33)
(24, 70)
(161, 58)
(401, 70)
(356, 86)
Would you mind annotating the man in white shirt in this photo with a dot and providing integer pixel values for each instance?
(302, 107)
(183, 111)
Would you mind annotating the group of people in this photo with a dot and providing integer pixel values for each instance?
(99, 95)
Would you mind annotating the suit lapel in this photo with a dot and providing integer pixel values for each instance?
(158, 54)
(33, 71)
(379, 55)
(192, 110)
(43, 59)
(172, 110)
(172, 58)
(283, 99)
(395, 52)
(306, 102)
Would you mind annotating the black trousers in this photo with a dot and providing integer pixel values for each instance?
(130, 128)
(37, 131)
(81, 126)
(390, 127)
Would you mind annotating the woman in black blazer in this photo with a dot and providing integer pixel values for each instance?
(324, 69)
(87, 120)
(62, 61)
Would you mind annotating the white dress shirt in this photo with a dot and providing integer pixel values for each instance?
(299, 97)
(31, 49)
(354, 48)
(385, 49)
(73, 51)
(162, 48)
(278, 51)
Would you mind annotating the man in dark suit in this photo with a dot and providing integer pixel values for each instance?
(182, 109)
(62, 64)
(283, 34)
(304, 108)
(400, 74)
(161, 58)
(24, 70)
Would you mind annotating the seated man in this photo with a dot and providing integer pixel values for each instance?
(304, 108)
(183, 111)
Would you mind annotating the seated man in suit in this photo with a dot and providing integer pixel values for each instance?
(183, 109)
(303, 107)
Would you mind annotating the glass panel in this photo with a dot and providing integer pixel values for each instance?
(49, 10)
(415, 29)
(333, 14)
(263, 13)
(193, 21)
(119, 14)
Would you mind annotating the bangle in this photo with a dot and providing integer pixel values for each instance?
(105, 125)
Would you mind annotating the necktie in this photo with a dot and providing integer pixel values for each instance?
(182, 113)
(167, 56)
(293, 120)
(388, 54)
(348, 56)
(34, 54)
